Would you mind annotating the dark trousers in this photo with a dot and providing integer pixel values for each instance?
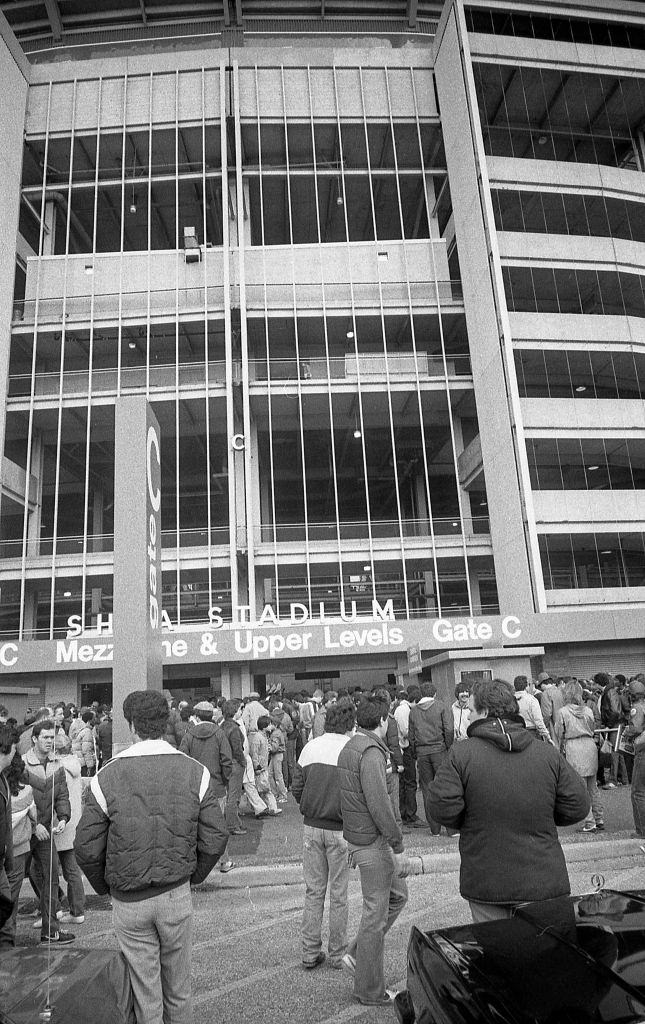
(15, 878)
(408, 786)
(429, 763)
(44, 856)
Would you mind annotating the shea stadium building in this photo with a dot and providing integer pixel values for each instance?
(322, 343)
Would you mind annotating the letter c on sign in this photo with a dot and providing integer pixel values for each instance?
(237, 442)
(8, 655)
(153, 440)
(507, 627)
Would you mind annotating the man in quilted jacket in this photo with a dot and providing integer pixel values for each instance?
(151, 828)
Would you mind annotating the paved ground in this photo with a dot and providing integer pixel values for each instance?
(246, 959)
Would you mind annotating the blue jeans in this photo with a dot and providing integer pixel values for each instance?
(638, 791)
(73, 877)
(324, 863)
(384, 897)
(156, 937)
(14, 878)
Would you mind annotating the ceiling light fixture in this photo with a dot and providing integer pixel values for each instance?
(581, 387)
(350, 334)
(132, 344)
(367, 568)
(592, 469)
(67, 593)
(606, 552)
(455, 523)
(382, 257)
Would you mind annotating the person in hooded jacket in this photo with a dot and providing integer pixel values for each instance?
(205, 741)
(506, 792)
(574, 731)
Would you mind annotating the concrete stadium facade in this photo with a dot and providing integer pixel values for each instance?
(378, 273)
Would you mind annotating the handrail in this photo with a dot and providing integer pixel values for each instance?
(288, 532)
(165, 302)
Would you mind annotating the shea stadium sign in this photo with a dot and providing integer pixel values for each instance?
(266, 638)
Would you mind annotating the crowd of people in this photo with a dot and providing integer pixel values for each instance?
(146, 825)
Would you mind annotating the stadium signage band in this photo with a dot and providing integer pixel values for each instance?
(251, 642)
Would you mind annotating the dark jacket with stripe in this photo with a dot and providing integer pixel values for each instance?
(506, 792)
(367, 786)
(316, 783)
(151, 822)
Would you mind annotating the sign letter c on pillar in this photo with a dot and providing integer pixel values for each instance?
(237, 442)
(154, 494)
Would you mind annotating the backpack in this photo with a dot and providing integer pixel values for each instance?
(611, 709)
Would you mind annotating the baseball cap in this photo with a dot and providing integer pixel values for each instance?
(204, 705)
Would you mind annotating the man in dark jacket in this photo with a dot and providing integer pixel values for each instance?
(431, 733)
(316, 787)
(232, 711)
(51, 796)
(375, 845)
(506, 792)
(205, 741)
(150, 829)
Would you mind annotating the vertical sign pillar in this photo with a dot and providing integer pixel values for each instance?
(137, 557)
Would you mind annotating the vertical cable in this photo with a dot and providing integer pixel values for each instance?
(61, 377)
(32, 390)
(330, 402)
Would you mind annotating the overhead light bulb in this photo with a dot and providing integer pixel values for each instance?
(592, 468)
(339, 200)
(132, 344)
(67, 593)
(581, 387)
(456, 523)
(357, 433)
(367, 568)
(133, 207)
(350, 334)
(605, 552)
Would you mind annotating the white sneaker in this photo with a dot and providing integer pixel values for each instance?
(70, 919)
(349, 963)
(38, 923)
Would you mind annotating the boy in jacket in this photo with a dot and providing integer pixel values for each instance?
(372, 830)
(150, 829)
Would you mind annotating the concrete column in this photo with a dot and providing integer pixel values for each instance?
(486, 316)
(137, 557)
(15, 73)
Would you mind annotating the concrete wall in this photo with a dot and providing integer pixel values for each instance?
(14, 74)
(493, 374)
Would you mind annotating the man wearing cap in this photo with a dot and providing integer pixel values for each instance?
(206, 742)
(253, 710)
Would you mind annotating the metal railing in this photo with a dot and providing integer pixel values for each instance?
(386, 528)
(166, 302)
(369, 365)
(77, 382)
(284, 533)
